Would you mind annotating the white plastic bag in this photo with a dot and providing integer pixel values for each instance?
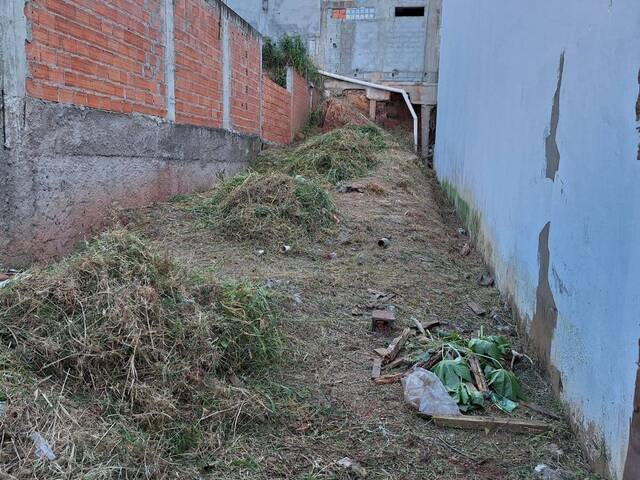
(424, 390)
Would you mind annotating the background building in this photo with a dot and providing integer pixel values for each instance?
(390, 42)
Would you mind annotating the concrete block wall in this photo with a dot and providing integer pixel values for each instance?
(539, 149)
(121, 102)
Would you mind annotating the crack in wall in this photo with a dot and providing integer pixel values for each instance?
(551, 146)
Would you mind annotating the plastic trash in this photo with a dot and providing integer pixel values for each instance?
(43, 450)
(424, 391)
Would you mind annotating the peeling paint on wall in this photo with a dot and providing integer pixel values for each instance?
(638, 112)
(632, 465)
(546, 315)
(551, 145)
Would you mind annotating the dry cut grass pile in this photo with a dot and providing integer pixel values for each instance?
(138, 338)
(271, 207)
(339, 155)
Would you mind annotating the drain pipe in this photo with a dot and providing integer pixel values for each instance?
(382, 87)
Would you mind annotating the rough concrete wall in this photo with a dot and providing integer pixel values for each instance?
(378, 46)
(539, 148)
(94, 159)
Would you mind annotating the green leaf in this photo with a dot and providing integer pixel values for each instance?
(468, 398)
(503, 404)
(504, 383)
(493, 346)
(452, 372)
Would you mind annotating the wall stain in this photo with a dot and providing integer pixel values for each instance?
(545, 317)
(632, 464)
(638, 112)
(551, 146)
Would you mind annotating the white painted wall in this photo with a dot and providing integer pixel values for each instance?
(498, 75)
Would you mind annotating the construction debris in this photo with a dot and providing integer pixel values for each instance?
(491, 423)
(376, 370)
(397, 344)
(481, 381)
(486, 280)
(285, 249)
(384, 242)
(476, 308)
(382, 321)
(389, 379)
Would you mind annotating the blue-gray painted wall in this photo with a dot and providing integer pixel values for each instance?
(499, 78)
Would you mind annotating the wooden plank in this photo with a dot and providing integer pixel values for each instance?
(476, 370)
(381, 351)
(429, 364)
(389, 379)
(492, 423)
(396, 363)
(394, 348)
(376, 370)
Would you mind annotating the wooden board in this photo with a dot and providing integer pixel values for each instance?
(492, 423)
(481, 381)
(394, 348)
(389, 379)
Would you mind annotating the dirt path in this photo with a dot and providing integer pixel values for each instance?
(335, 410)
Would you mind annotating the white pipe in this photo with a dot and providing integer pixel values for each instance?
(388, 89)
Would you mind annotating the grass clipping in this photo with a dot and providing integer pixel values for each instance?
(337, 156)
(125, 327)
(267, 207)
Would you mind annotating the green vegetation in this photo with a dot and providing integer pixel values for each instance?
(289, 51)
(271, 207)
(339, 155)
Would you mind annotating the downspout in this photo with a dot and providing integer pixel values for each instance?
(388, 89)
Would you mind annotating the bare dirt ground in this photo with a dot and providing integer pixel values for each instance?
(335, 410)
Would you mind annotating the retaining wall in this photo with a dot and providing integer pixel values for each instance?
(123, 102)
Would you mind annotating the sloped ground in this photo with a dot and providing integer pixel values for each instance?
(333, 408)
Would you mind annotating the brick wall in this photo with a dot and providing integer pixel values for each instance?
(106, 55)
(198, 63)
(302, 102)
(110, 55)
(246, 72)
(276, 112)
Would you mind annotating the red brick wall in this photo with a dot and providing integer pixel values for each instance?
(300, 103)
(276, 112)
(246, 72)
(109, 55)
(101, 54)
(198, 63)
